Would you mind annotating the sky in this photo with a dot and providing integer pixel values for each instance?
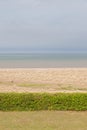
(43, 25)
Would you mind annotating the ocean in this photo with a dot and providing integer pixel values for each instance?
(43, 60)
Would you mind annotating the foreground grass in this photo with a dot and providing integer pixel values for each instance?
(43, 101)
(43, 120)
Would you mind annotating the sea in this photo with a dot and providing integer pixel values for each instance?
(43, 60)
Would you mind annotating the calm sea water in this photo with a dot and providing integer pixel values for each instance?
(43, 60)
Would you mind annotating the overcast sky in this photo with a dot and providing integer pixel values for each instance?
(43, 25)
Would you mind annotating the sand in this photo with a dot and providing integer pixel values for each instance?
(43, 80)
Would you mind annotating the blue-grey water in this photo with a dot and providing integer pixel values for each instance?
(42, 60)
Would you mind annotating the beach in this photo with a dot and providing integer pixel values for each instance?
(50, 80)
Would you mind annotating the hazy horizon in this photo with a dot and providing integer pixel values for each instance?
(14, 50)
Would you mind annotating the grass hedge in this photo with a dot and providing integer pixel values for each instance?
(45, 101)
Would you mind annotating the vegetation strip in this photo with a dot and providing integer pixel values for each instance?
(43, 101)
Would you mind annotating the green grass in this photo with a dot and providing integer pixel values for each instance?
(45, 86)
(52, 86)
(43, 120)
(34, 85)
(43, 101)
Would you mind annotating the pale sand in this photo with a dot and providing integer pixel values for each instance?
(43, 80)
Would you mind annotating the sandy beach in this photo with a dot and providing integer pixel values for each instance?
(43, 80)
